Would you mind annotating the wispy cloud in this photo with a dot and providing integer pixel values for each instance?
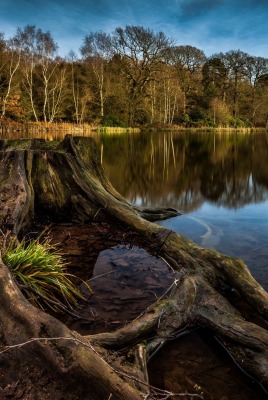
(196, 8)
(211, 25)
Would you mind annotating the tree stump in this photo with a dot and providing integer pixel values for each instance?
(39, 356)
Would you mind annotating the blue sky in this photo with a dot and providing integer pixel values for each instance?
(210, 25)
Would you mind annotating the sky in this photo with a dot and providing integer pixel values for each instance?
(210, 25)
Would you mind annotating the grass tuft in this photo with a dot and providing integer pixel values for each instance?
(41, 272)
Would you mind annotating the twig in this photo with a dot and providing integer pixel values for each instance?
(165, 394)
(101, 208)
(99, 276)
(165, 261)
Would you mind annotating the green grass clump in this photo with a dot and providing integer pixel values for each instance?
(41, 273)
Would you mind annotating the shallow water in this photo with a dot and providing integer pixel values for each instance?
(197, 364)
(218, 181)
(241, 233)
(125, 279)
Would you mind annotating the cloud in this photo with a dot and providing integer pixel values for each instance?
(211, 25)
(196, 8)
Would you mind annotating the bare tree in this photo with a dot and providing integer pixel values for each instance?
(56, 90)
(46, 50)
(27, 37)
(81, 93)
(188, 62)
(39, 49)
(164, 96)
(235, 62)
(96, 50)
(141, 52)
(10, 61)
(215, 78)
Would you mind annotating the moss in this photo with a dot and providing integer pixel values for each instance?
(19, 144)
(29, 144)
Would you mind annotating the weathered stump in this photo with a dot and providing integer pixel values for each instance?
(64, 182)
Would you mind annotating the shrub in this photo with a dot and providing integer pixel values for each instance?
(239, 123)
(108, 120)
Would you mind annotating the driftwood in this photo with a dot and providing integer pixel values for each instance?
(64, 182)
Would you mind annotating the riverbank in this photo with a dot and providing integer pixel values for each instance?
(57, 130)
(220, 129)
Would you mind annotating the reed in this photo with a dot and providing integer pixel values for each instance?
(219, 129)
(44, 130)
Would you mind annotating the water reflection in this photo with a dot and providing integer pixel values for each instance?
(126, 280)
(219, 182)
(184, 170)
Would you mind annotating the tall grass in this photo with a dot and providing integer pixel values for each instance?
(41, 272)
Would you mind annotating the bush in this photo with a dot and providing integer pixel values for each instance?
(239, 123)
(197, 119)
(108, 120)
(200, 118)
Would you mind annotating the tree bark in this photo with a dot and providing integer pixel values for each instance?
(64, 182)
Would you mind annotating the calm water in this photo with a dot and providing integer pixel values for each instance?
(218, 181)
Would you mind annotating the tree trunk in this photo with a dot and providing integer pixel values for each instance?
(64, 182)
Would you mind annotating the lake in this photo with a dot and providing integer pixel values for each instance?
(220, 184)
(218, 181)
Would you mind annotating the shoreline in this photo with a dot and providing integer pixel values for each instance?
(57, 130)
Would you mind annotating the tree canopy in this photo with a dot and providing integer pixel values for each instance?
(131, 76)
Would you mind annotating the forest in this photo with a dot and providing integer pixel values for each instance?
(130, 77)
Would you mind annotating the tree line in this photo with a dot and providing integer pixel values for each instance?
(130, 77)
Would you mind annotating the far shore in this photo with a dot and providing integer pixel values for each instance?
(46, 129)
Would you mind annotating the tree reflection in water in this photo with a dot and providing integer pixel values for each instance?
(219, 181)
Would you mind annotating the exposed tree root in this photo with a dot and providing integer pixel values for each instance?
(64, 182)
